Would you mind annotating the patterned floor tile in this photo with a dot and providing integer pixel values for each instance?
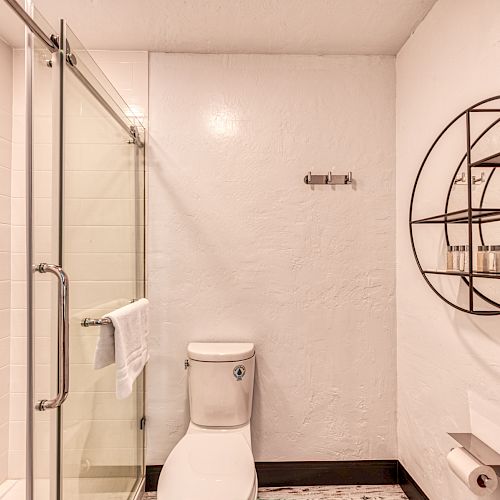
(386, 492)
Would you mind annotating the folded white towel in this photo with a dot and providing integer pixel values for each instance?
(125, 343)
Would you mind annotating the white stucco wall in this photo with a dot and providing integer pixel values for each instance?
(446, 359)
(240, 249)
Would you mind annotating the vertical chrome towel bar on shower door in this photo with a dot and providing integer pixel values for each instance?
(62, 338)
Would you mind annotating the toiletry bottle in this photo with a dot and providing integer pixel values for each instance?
(496, 250)
(456, 257)
(449, 258)
(482, 251)
(461, 258)
(491, 259)
(466, 258)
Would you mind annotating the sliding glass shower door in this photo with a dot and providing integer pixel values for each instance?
(87, 223)
(103, 254)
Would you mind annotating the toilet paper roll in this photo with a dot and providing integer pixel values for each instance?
(472, 472)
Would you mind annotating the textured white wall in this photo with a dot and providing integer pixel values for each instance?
(444, 356)
(241, 249)
(5, 275)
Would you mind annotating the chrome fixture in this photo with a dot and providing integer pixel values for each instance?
(329, 179)
(86, 322)
(462, 180)
(478, 449)
(62, 338)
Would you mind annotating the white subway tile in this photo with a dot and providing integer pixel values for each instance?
(42, 158)
(17, 378)
(5, 153)
(17, 464)
(100, 434)
(5, 210)
(4, 352)
(4, 409)
(95, 184)
(4, 380)
(104, 158)
(4, 323)
(5, 175)
(100, 212)
(99, 406)
(4, 294)
(5, 238)
(18, 215)
(4, 466)
(17, 433)
(101, 267)
(17, 407)
(43, 380)
(5, 124)
(4, 437)
(100, 239)
(18, 156)
(42, 351)
(86, 379)
(5, 266)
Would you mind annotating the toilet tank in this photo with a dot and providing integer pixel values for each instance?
(221, 383)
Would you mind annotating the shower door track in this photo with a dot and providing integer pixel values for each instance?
(49, 41)
(52, 44)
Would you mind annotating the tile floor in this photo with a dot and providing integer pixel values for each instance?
(386, 492)
(81, 489)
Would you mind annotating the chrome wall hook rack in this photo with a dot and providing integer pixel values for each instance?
(462, 179)
(328, 179)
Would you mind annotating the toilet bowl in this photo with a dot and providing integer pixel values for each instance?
(214, 460)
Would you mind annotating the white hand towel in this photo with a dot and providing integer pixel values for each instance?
(125, 343)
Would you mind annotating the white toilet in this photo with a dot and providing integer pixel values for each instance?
(214, 460)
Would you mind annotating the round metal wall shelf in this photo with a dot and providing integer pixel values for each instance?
(474, 173)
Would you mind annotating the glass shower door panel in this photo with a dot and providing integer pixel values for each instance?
(103, 255)
(45, 217)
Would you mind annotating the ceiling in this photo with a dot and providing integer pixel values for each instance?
(242, 26)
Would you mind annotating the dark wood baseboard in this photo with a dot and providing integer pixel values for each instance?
(409, 485)
(323, 473)
(326, 473)
(152, 477)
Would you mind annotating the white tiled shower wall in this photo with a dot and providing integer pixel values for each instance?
(5, 222)
(128, 71)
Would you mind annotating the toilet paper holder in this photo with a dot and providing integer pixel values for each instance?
(478, 449)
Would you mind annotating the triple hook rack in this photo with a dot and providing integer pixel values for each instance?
(462, 179)
(329, 179)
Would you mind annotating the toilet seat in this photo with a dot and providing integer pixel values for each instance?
(209, 466)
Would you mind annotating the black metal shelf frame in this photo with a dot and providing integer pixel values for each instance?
(470, 216)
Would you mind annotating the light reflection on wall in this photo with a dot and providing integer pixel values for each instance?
(223, 122)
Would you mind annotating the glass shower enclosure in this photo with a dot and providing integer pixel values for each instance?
(85, 223)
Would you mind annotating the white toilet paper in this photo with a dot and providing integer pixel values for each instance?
(469, 470)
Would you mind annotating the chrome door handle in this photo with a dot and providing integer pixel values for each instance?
(62, 338)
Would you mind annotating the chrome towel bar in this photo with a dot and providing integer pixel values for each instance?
(86, 322)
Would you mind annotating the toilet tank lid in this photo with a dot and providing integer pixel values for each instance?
(220, 351)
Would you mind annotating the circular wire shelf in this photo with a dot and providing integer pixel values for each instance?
(469, 216)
